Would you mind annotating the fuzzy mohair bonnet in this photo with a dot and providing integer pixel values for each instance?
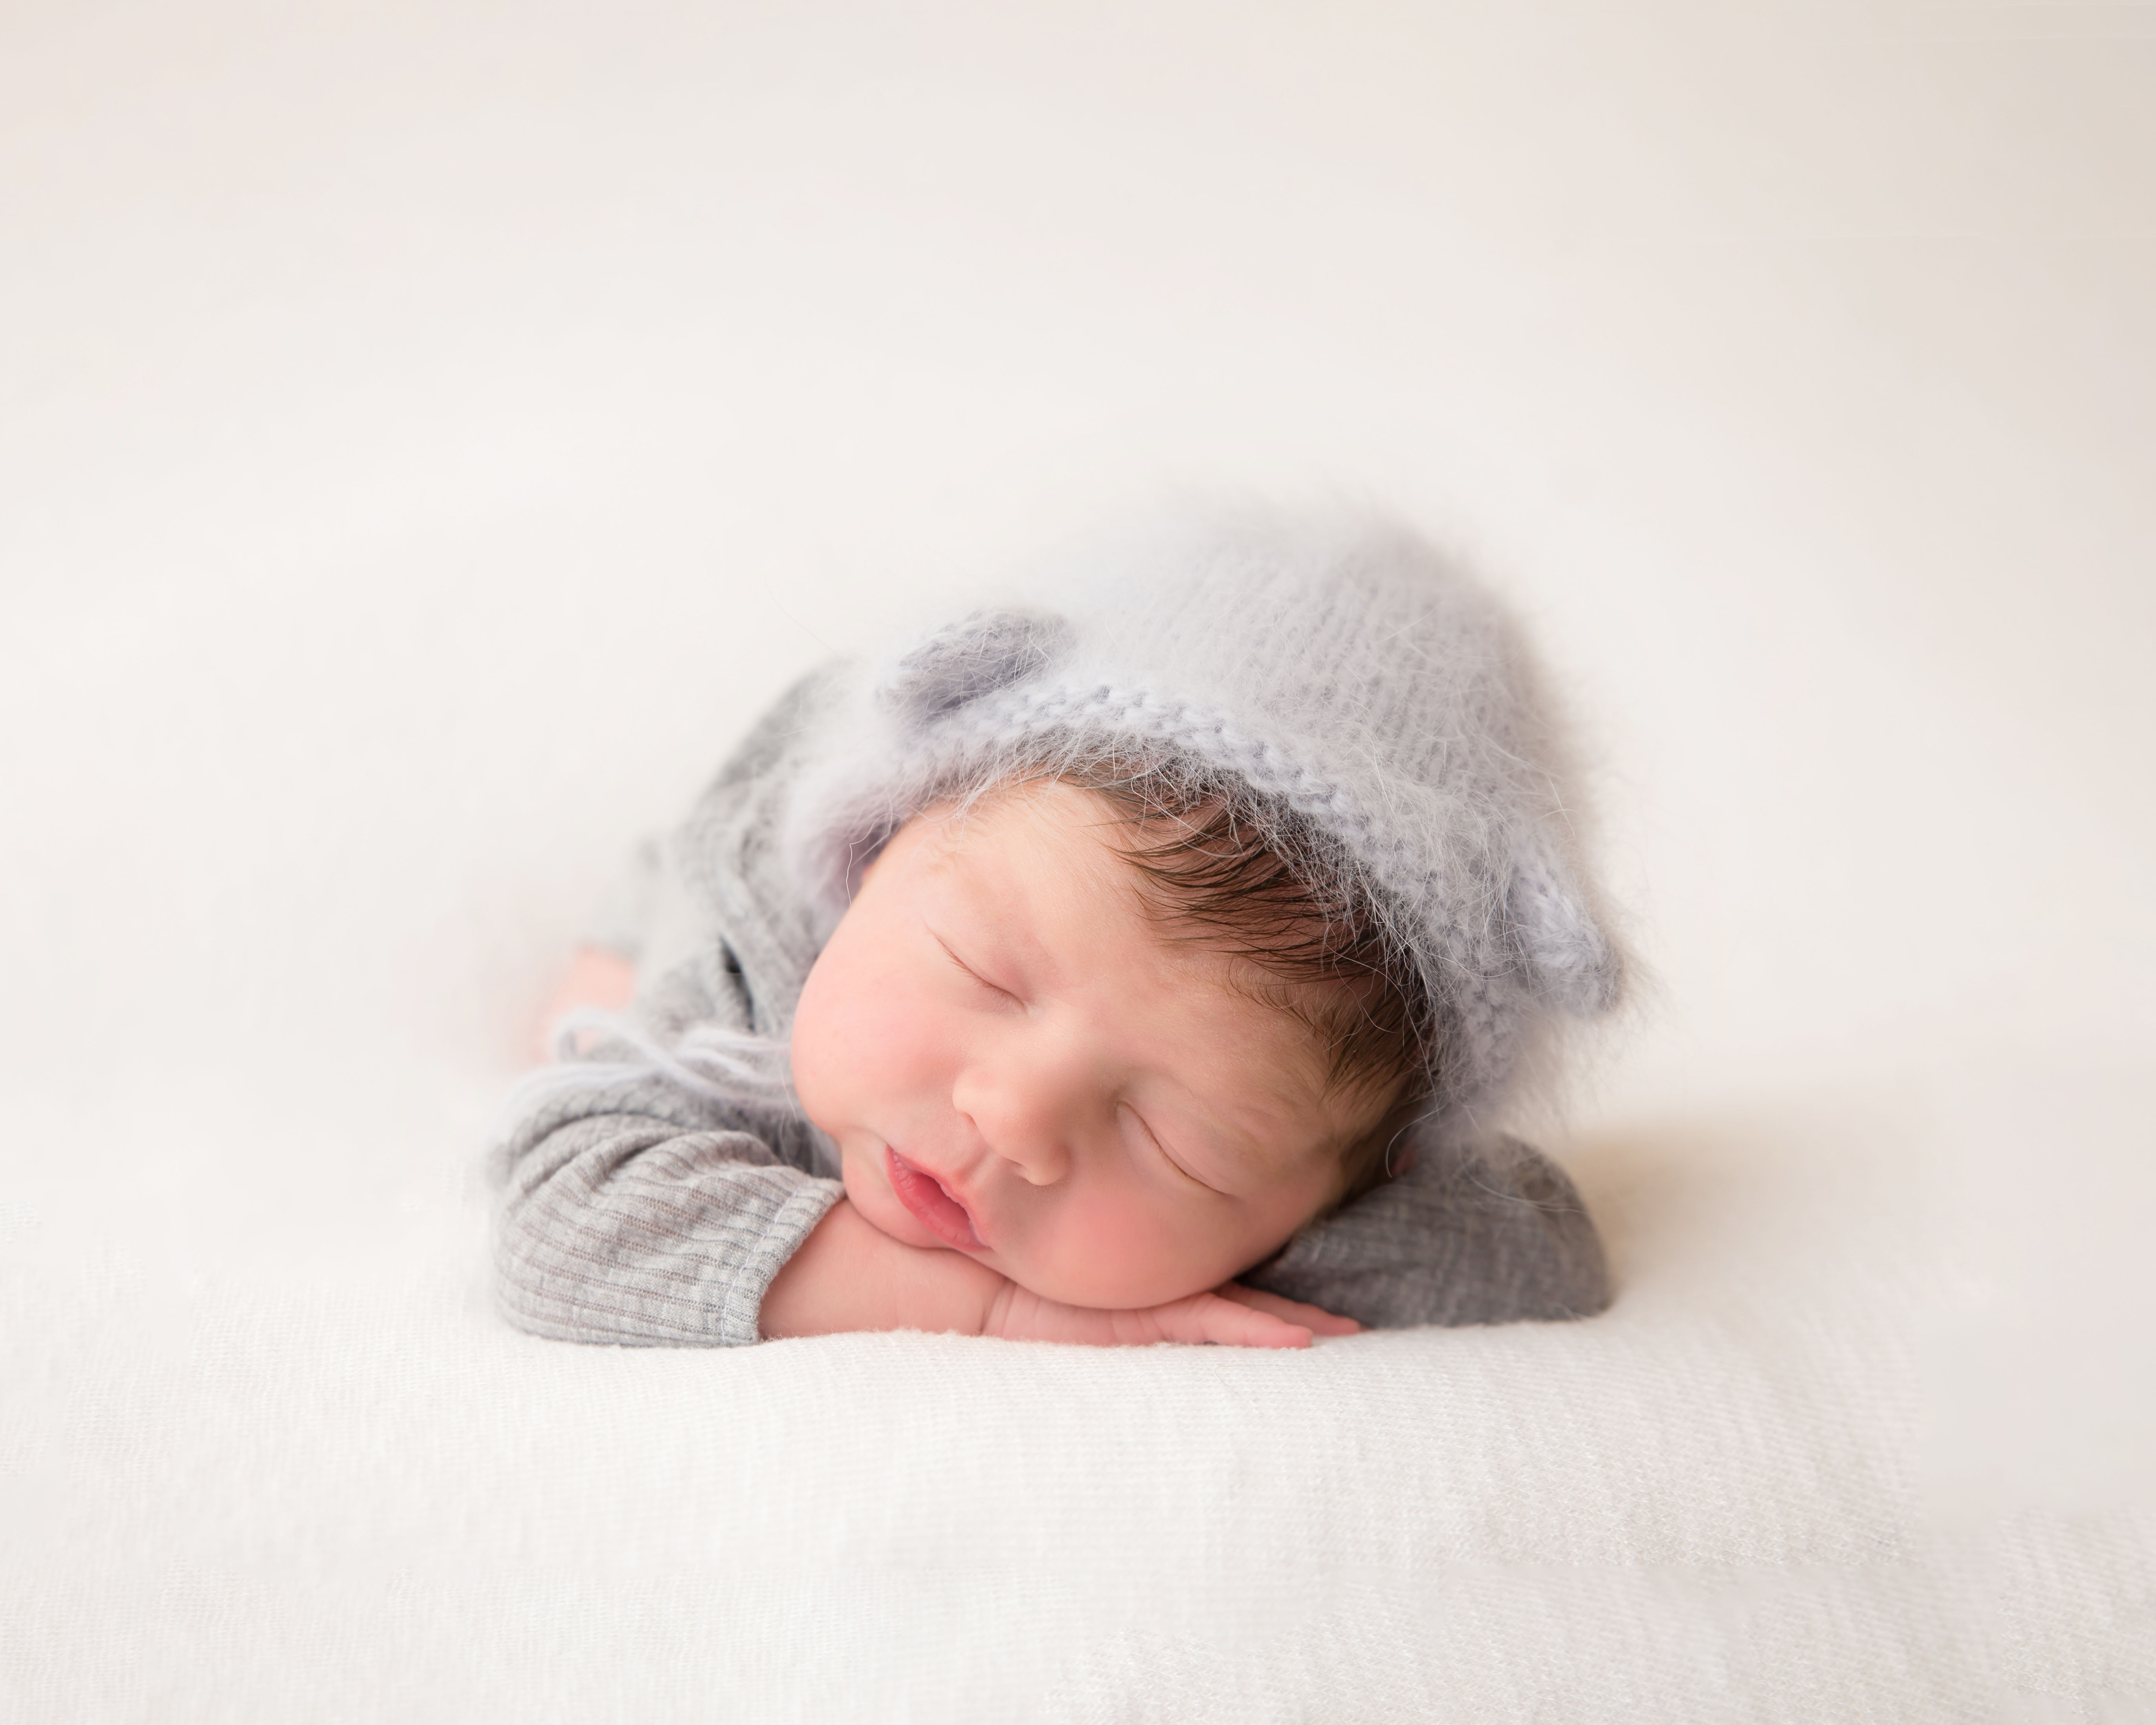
(1339, 666)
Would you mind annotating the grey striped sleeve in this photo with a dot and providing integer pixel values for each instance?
(636, 1213)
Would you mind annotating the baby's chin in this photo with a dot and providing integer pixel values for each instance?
(1107, 1268)
(1113, 1291)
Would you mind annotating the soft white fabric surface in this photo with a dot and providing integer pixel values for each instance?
(402, 405)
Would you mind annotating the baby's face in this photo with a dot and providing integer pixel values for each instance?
(1016, 1065)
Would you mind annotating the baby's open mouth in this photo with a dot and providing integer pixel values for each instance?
(927, 1198)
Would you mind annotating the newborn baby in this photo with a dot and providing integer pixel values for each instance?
(1148, 963)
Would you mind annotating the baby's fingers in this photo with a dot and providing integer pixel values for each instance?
(1233, 1325)
(1317, 1321)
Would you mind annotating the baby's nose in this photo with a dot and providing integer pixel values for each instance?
(1023, 1117)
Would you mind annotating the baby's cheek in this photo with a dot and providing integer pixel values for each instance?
(855, 1043)
(818, 1072)
(1123, 1253)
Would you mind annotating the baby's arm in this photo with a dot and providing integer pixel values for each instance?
(849, 1274)
(636, 1210)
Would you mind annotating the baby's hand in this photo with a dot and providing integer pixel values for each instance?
(1233, 1315)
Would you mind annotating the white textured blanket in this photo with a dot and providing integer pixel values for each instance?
(283, 1463)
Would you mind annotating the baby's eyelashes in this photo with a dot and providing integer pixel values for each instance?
(979, 980)
(1134, 1123)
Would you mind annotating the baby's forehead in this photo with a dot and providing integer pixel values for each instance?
(1026, 852)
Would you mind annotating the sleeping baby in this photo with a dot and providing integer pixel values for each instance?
(1152, 962)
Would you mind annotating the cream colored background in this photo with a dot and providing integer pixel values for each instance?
(428, 433)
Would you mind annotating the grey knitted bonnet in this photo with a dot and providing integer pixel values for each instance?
(1336, 665)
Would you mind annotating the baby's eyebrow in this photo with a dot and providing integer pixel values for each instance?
(1253, 1129)
(993, 921)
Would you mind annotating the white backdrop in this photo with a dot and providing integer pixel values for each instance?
(428, 433)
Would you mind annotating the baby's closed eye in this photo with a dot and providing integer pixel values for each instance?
(973, 975)
(1151, 1144)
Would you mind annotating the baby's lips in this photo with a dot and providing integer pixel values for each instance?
(931, 1204)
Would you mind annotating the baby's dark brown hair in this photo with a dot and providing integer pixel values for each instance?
(1224, 868)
